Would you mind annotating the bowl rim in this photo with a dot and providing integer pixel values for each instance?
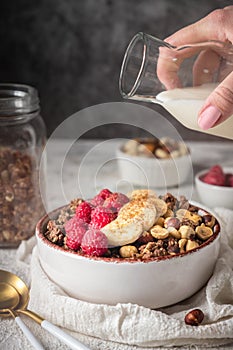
(70, 253)
(213, 187)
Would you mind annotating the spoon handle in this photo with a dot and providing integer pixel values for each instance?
(60, 334)
(29, 335)
(54, 330)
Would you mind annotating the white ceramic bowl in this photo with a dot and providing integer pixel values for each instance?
(156, 283)
(214, 196)
(153, 172)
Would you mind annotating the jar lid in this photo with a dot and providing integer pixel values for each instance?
(18, 99)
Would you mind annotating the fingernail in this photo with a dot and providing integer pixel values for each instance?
(209, 117)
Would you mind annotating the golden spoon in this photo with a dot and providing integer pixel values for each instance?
(9, 300)
(18, 293)
(8, 297)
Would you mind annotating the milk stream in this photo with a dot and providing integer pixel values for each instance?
(185, 103)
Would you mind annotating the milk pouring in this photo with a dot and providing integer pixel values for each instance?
(184, 104)
(139, 80)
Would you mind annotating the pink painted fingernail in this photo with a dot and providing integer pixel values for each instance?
(209, 117)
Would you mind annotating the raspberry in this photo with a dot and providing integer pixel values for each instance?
(75, 230)
(101, 216)
(105, 193)
(229, 180)
(214, 178)
(216, 169)
(83, 212)
(116, 201)
(94, 243)
(99, 199)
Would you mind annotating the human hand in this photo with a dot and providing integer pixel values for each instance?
(215, 26)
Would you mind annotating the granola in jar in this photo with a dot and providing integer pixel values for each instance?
(22, 139)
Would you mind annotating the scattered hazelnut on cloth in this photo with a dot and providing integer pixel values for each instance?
(194, 317)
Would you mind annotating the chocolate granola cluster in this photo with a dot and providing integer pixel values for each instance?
(182, 228)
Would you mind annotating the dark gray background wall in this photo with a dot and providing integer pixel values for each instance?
(71, 50)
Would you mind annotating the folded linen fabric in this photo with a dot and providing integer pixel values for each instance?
(132, 325)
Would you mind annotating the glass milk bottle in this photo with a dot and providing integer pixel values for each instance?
(177, 78)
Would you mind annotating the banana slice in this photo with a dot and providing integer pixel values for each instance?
(140, 210)
(133, 219)
(142, 194)
(120, 234)
(160, 206)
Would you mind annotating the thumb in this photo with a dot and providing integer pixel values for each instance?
(218, 106)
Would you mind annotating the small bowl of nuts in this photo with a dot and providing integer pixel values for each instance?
(140, 248)
(215, 186)
(151, 162)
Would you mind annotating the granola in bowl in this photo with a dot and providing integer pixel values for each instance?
(163, 148)
(139, 227)
(154, 163)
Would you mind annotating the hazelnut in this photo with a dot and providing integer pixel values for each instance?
(216, 228)
(196, 219)
(182, 243)
(128, 251)
(150, 146)
(175, 154)
(145, 238)
(180, 213)
(169, 213)
(194, 317)
(209, 220)
(161, 154)
(160, 221)
(144, 151)
(9, 196)
(173, 250)
(6, 235)
(186, 231)
(191, 245)
(172, 222)
(204, 232)
(159, 232)
(186, 214)
(174, 232)
(131, 147)
(183, 149)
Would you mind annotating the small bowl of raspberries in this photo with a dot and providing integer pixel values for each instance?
(134, 248)
(215, 186)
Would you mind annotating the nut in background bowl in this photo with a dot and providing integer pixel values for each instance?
(154, 172)
(151, 283)
(212, 195)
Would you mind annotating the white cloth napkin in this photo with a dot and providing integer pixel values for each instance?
(128, 325)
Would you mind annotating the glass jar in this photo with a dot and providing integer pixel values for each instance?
(22, 140)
